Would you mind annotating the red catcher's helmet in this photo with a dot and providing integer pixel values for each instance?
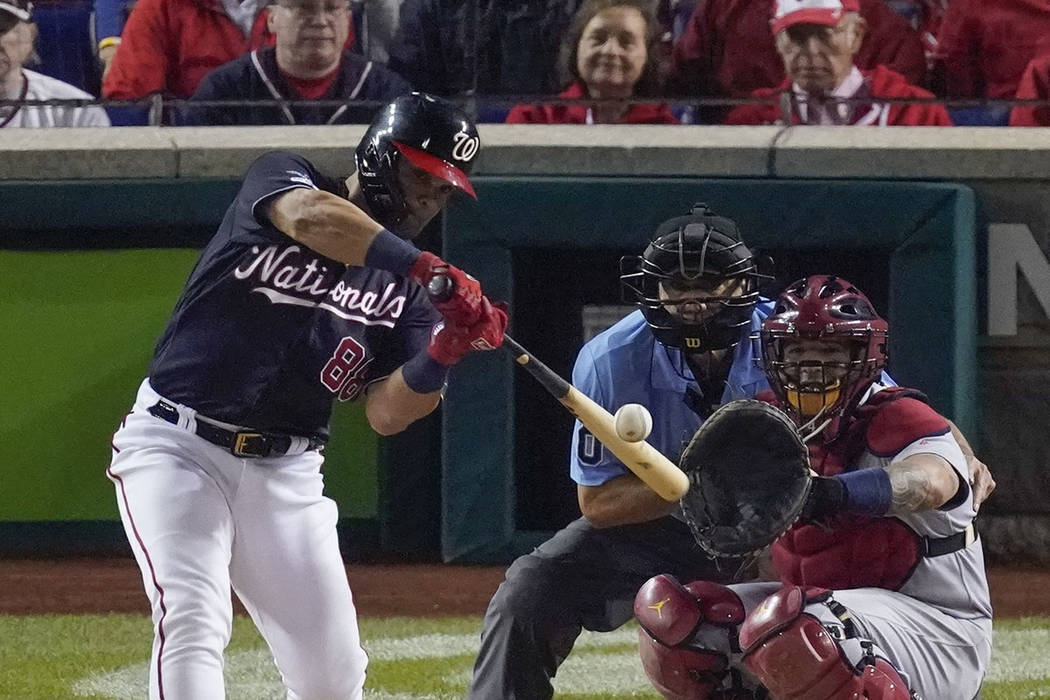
(826, 308)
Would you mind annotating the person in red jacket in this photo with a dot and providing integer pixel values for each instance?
(727, 48)
(168, 46)
(610, 52)
(308, 62)
(1035, 85)
(882, 590)
(985, 45)
(818, 41)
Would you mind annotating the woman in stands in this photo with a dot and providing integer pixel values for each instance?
(610, 54)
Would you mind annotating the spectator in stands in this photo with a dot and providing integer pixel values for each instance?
(308, 62)
(727, 49)
(110, 16)
(1035, 85)
(985, 45)
(168, 46)
(609, 52)
(481, 47)
(379, 22)
(817, 41)
(925, 17)
(17, 35)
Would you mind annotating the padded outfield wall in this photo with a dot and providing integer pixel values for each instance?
(96, 239)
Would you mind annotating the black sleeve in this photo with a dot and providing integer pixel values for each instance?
(414, 328)
(215, 86)
(385, 84)
(411, 51)
(271, 174)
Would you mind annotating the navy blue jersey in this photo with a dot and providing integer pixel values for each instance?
(267, 333)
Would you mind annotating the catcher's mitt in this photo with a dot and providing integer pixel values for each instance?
(749, 478)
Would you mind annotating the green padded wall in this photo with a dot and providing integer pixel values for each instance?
(78, 331)
(925, 232)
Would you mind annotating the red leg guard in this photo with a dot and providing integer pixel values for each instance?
(680, 673)
(796, 658)
(669, 615)
(671, 612)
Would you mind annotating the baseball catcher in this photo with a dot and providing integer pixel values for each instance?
(882, 591)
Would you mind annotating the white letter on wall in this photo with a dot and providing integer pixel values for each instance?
(1012, 248)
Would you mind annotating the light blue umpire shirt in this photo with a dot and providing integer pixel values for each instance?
(626, 364)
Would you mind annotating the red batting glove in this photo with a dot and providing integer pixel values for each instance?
(451, 343)
(463, 308)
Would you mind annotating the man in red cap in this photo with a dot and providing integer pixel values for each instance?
(726, 49)
(818, 41)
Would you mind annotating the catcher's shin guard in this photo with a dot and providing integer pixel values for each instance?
(797, 658)
(669, 615)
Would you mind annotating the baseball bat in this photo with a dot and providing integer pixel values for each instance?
(658, 472)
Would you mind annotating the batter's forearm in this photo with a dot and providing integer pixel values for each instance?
(325, 223)
(391, 405)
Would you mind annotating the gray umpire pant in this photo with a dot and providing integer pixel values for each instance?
(582, 578)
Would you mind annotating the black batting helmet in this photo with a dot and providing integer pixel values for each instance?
(428, 132)
(700, 252)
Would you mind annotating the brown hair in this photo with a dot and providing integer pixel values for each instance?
(649, 82)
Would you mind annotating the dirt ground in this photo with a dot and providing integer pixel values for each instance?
(113, 585)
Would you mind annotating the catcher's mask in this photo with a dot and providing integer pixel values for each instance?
(696, 282)
(824, 377)
(426, 131)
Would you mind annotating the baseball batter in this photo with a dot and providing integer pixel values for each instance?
(300, 299)
(882, 590)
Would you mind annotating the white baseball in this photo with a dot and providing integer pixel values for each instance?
(633, 422)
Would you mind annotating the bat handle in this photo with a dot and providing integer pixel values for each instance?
(511, 346)
(440, 288)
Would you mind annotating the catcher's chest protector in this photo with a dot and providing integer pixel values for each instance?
(864, 432)
(856, 551)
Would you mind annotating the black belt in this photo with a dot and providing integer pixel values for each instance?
(242, 443)
(938, 546)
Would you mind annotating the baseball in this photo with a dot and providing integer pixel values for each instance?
(633, 422)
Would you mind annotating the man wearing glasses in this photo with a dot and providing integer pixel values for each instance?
(308, 62)
(818, 42)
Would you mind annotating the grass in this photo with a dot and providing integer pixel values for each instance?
(104, 657)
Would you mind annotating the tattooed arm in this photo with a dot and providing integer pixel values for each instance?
(921, 482)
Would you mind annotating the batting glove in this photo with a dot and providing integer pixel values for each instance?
(452, 342)
(463, 308)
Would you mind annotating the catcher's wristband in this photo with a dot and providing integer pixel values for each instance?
(391, 253)
(868, 491)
